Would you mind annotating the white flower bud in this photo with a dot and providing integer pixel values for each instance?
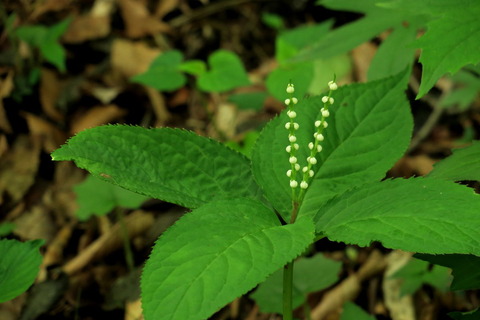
(305, 169)
(325, 124)
(294, 100)
(331, 100)
(287, 125)
(320, 137)
(297, 166)
(292, 138)
(325, 113)
(324, 99)
(296, 126)
(303, 185)
(291, 114)
(318, 123)
(296, 146)
(292, 160)
(289, 173)
(287, 101)
(288, 149)
(332, 86)
(319, 148)
(312, 160)
(311, 173)
(290, 88)
(310, 145)
(293, 183)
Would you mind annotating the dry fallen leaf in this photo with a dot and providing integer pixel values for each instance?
(93, 25)
(129, 58)
(19, 167)
(97, 116)
(50, 88)
(138, 21)
(362, 57)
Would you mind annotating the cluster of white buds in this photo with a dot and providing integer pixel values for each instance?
(314, 146)
(292, 127)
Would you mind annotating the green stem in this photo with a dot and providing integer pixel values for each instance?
(287, 291)
(126, 240)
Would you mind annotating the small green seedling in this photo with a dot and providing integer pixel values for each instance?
(316, 171)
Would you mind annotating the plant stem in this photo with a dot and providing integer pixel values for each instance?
(288, 275)
(126, 240)
(287, 291)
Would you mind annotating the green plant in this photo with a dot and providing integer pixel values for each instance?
(18, 267)
(244, 225)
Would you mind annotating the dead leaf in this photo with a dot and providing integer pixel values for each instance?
(133, 310)
(6, 87)
(93, 25)
(50, 136)
(43, 7)
(50, 89)
(130, 58)
(138, 21)
(97, 116)
(19, 167)
(165, 6)
(35, 224)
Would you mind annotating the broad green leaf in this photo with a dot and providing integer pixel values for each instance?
(97, 197)
(54, 53)
(19, 266)
(194, 67)
(463, 164)
(471, 315)
(466, 87)
(226, 73)
(246, 145)
(325, 69)
(6, 228)
(309, 275)
(395, 53)
(164, 72)
(347, 37)
(417, 272)
(465, 269)
(450, 43)
(215, 254)
(273, 20)
(288, 43)
(248, 100)
(353, 312)
(46, 39)
(369, 129)
(173, 165)
(421, 215)
(33, 35)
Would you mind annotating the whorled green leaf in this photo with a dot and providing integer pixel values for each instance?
(451, 42)
(463, 164)
(369, 129)
(226, 72)
(394, 54)
(421, 215)
(309, 275)
(215, 254)
(19, 265)
(465, 269)
(97, 197)
(164, 72)
(173, 165)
